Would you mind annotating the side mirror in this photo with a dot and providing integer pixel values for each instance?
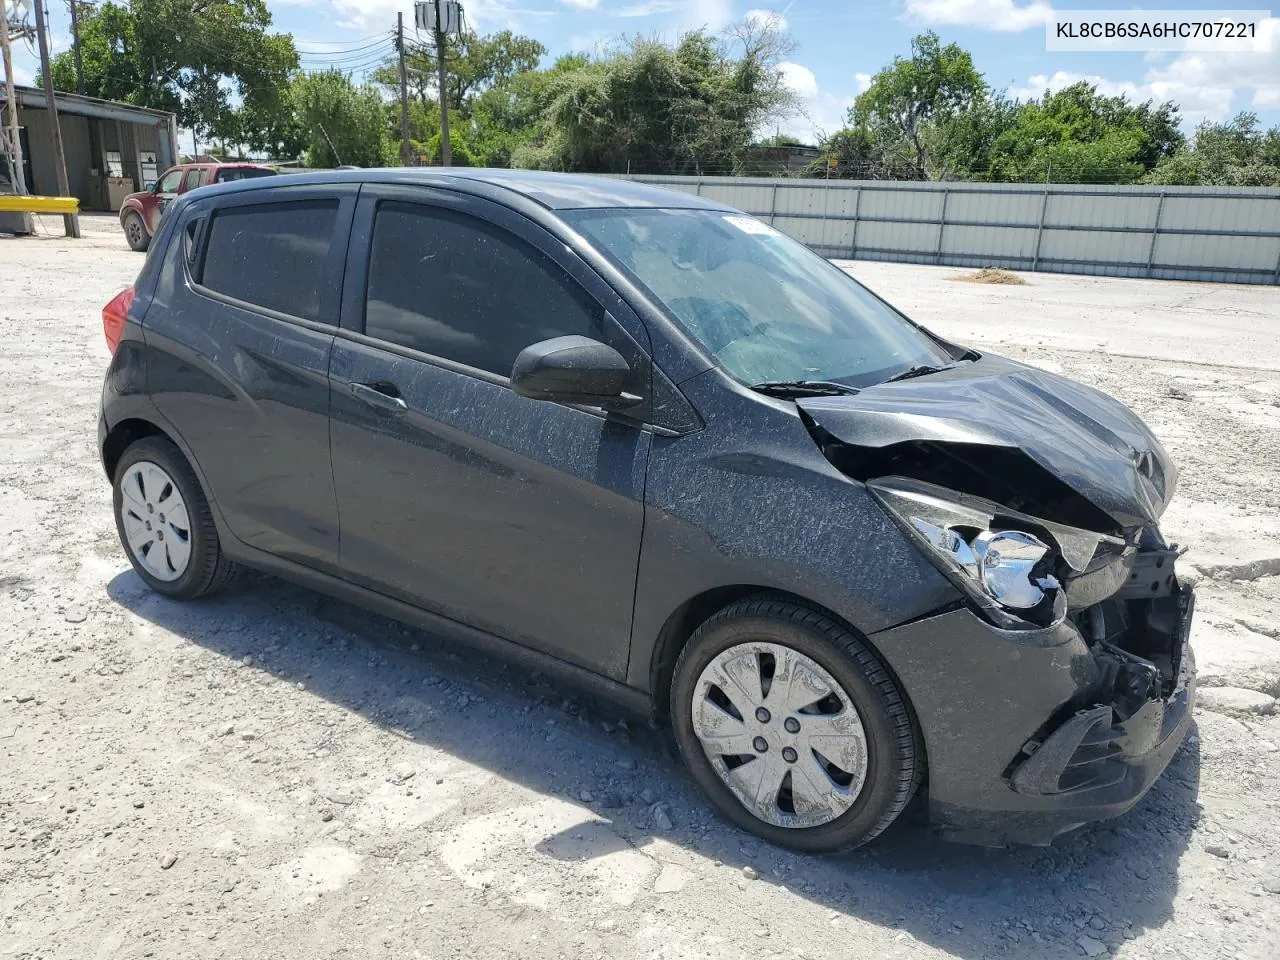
(572, 370)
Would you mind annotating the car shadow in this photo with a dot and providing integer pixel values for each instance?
(1106, 882)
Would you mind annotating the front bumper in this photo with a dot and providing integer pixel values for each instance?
(1029, 737)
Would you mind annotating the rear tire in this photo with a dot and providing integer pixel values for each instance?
(787, 688)
(165, 524)
(135, 232)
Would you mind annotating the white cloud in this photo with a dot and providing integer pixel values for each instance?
(582, 4)
(23, 77)
(1219, 75)
(763, 17)
(1006, 16)
(821, 113)
(648, 9)
(863, 80)
(712, 14)
(800, 79)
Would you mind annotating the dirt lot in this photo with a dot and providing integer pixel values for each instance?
(273, 774)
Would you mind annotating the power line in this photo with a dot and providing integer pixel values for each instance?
(374, 40)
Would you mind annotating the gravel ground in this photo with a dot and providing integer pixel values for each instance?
(272, 773)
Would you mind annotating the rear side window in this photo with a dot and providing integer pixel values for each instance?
(242, 173)
(456, 287)
(271, 255)
(191, 179)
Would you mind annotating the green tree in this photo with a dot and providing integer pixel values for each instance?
(343, 123)
(911, 97)
(1079, 136)
(654, 107)
(1236, 154)
(484, 72)
(202, 59)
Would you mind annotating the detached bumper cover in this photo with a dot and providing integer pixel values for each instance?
(1000, 771)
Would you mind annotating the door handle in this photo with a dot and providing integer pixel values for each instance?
(379, 395)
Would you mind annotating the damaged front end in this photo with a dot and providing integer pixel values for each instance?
(1107, 611)
(1039, 500)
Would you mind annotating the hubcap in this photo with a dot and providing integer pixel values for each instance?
(781, 733)
(156, 528)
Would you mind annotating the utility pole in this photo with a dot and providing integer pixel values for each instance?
(406, 150)
(14, 153)
(70, 221)
(75, 44)
(446, 148)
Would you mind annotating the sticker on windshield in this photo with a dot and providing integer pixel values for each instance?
(752, 225)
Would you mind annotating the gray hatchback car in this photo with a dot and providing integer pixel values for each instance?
(657, 445)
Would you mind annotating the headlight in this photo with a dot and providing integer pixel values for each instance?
(1007, 562)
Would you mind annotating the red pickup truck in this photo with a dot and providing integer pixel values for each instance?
(140, 212)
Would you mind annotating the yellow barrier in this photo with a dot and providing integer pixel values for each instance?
(13, 203)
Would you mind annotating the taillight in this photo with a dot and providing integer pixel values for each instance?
(113, 317)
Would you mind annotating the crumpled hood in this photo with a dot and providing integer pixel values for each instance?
(1095, 445)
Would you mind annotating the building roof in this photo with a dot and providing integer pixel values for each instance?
(77, 105)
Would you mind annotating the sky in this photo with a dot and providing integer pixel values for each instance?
(840, 44)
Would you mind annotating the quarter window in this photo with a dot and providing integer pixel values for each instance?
(458, 288)
(272, 255)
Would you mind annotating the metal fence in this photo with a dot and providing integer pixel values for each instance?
(1224, 234)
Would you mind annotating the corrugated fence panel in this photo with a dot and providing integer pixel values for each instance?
(1185, 233)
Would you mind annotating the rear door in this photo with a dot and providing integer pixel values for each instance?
(517, 516)
(239, 354)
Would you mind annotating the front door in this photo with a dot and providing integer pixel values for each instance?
(166, 189)
(517, 516)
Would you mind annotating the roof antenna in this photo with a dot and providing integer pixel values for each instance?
(332, 148)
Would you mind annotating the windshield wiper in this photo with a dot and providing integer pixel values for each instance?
(803, 388)
(924, 369)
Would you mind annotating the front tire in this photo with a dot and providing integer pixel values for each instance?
(135, 232)
(793, 727)
(165, 524)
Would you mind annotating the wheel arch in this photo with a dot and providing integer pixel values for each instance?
(691, 614)
(125, 433)
(132, 206)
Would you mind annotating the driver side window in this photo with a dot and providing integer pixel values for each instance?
(456, 287)
(169, 182)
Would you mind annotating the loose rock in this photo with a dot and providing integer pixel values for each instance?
(661, 818)
(168, 860)
(1235, 700)
(1218, 850)
(1091, 947)
(342, 799)
(750, 872)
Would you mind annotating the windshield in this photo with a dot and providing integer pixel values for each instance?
(764, 305)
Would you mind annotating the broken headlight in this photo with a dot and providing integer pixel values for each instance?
(1010, 564)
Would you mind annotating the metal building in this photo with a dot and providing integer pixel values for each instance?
(111, 148)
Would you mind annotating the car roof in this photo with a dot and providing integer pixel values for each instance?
(555, 191)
